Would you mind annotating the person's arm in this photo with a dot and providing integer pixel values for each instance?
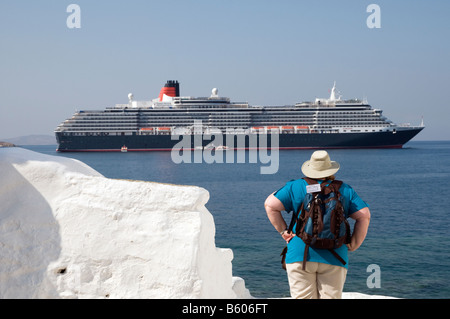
(274, 207)
(362, 220)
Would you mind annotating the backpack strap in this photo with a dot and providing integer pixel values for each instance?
(295, 217)
(335, 254)
(290, 228)
(283, 258)
(334, 186)
(305, 256)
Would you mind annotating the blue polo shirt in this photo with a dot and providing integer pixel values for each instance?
(292, 195)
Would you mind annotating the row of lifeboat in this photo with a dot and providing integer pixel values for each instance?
(156, 130)
(152, 129)
(289, 128)
(254, 129)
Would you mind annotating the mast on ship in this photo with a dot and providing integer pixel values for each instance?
(333, 94)
(332, 99)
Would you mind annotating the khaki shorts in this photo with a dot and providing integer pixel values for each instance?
(318, 281)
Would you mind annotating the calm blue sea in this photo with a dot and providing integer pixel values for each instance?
(407, 190)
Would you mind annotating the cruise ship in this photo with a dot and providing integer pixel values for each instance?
(158, 125)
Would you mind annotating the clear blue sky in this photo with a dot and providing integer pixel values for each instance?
(264, 52)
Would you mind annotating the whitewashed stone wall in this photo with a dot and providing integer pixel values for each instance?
(68, 232)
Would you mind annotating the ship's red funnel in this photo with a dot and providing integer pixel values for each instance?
(171, 88)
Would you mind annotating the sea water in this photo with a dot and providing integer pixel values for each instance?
(407, 246)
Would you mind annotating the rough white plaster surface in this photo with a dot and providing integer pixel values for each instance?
(66, 231)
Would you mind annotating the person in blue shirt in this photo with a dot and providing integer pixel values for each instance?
(324, 275)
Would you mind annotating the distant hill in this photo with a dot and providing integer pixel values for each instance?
(4, 144)
(32, 140)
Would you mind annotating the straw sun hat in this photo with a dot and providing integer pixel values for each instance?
(320, 165)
